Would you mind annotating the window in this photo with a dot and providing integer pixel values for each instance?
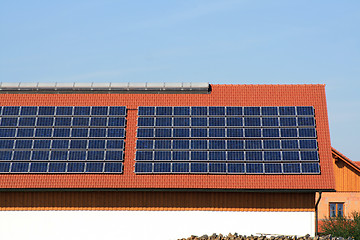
(336, 209)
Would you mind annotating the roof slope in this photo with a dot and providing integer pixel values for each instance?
(221, 95)
(355, 165)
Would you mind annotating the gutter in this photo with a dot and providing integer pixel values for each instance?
(316, 214)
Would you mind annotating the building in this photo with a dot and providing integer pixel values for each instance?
(198, 158)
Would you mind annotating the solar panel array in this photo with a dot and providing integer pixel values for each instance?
(227, 140)
(62, 139)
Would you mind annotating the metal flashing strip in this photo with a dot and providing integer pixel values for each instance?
(57, 87)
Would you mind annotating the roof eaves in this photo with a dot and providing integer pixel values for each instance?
(345, 159)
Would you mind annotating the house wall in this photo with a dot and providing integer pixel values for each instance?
(351, 202)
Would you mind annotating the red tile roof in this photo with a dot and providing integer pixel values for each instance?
(221, 95)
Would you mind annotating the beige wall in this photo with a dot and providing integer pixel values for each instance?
(351, 202)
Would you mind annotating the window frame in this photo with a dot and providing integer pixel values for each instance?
(337, 210)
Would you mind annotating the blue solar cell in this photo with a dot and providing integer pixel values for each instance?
(146, 111)
(145, 133)
(101, 132)
(288, 132)
(164, 111)
(117, 122)
(60, 144)
(113, 167)
(217, 155)
(271, 132)
(81, 132)
(112, 144)
(272, 156)
(95, 155)
(77, 155)
(63, 121)
(307, 132)
(27, 121)
(57, 167)
(251, 111)
(181, 155)
(114, 155)
(9, 121)
(94, 167)
(119, 111)
(143, 167)
(163, 132)
(271, 144)
(255, 132)
(22, 144)
(200, 111)
(254, 168)
(252, 121)
(38, 167)
(46, 111)
(181, 121)
(45, 121)
(25, 132)
(272, 168)
(144, 144)
(144, 155)
(199, 155)
(7, 132)
(162, 167)
(199, 144)
(162, 155)
(270, 122)
(40, 155)
(81, 121)
(112, 132)
(7, 110)
(305, 110)
(289, 144)
(199, 167)
(181, 111)
(309, 156)
(254, 156)
(100, 111)
(76, 167)
(43, 132)
(310, 168)
(5, 155)
(217, 144)
(253, 144)
(216, 121)
(181, 132)
(198, 122)
(236, 168)
(234, 111)
(234, 121)
(146, 121)
(269, 111)
(4, 167)
(235, 144)
(19, 167)
(217, 132)
(217, 167)
(78, 144)
(96, 144)
(181, 144)
(306, 121)
(291, 167)
(58, 155)
(199, 132)
(290, 156)
(288, 122)
(235, 156)
(287, 111)
(308, 144)
(81, 111)
(235, 132)
(28, 111)
(6, 144)
(216, 111)
(64, 111)
(180, 167)
(163, 122)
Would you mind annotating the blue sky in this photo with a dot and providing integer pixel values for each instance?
(237, 42)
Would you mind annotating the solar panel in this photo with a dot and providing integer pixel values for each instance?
(181, 144)
(235, 144)
(113, 167)
(291, 167)
(199, 133)
(289, 144)
(6, 144)
(146, 111)
(62, 121)
(270, 133)
(272, 168)
(306, 121)
(25, 132)
(234, 122)
(181, 132)
(38, 167)
(99, 111)
(310, 167)
(272, 156)
(40, 155)
(217, 144)
(287, 111)
(7, 132)
(236, 168)
(271, 144)
(46, 111)
(164, 111)
(199, 144)
(75, 167)
(162, 167)
(235, 156)
(254, 168)
(96, 144)
(288, 122)
(305, 111)
(146, 121)
(199, 167)
(115, 144)
(253, 144)
(270, 122)
(116, 122)
(199, 121)
(81, 111)
(117, 110)
(45, 121)
(57, 167)
(180, 167)
(94, 167)
(251, 111)
(216, 121)
(164, 122)
(27, 121)
(96, 155)
(216, 111)
(199, 156)
(9, 121)
(162, 155)
(181, 122)
(28, 111)
(217, 132)
(234, 111)
(203, 111)
(235, 132)
(217, 167)
(181, 111)
(143, 167)
(4, 167)
(81, 121)
(252, 121)
(269, 111)
(217, 155)
(180, 156)
(17, 167)
(9, 110)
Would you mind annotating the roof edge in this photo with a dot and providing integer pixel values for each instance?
(345, 159)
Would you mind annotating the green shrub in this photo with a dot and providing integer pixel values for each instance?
(343, 226)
